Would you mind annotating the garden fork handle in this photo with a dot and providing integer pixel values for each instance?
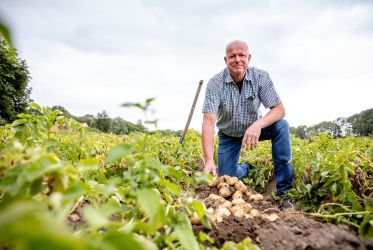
(191, 111)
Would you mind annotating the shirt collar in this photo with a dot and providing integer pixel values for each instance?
(248, 76)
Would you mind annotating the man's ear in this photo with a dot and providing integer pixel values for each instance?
(225, 59)
(249, 57)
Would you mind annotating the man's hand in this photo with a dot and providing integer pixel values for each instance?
(210, 168)
(251, 137)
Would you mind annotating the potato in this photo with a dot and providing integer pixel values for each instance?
(248, 216)
(259, 197)
(215, 197)
(272, 217)
(223, 178)
(240, 186)
(210, 210)
(237, 211)
(238, 201)
(256, 197)
(246, 207)
(194, 219)
(226, 204)
(248, 193)
(223, 185)
(232, 180)
(223, 212)
(255, 213)
(237, 194)
(224, 192)
(218, 218)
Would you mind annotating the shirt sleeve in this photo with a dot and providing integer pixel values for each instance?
(267, 92)
(212, 99)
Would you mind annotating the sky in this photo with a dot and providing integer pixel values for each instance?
(92, 55)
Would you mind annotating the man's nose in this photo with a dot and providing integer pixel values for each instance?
(237, 58)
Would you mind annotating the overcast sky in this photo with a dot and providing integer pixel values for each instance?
(92, 55)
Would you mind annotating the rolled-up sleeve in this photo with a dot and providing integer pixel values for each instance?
(212, 98)
(267, 93)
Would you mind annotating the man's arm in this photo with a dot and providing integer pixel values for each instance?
(251, 137)
(208, 126)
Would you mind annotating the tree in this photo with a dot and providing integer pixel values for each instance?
(119, 127)
(327, 127)
(89, 119)
(362, 123)
(14, 77)
(63, 110)
(103, 122)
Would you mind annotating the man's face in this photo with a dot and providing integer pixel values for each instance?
(237, 59)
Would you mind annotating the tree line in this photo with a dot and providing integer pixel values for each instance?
(102, 122)
(360, 124)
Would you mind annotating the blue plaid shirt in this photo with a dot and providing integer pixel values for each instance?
(237, 111)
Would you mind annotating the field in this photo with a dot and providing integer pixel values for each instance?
(62, 187)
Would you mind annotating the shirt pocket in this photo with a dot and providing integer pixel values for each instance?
(251, 106)
(252, 101)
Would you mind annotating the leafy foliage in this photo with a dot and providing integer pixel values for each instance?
(5, 32)
(14, 77)
(130, 197)
(333, 177)
(362, 123)
(135, 191)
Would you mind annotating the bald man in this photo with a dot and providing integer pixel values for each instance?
(232, 101)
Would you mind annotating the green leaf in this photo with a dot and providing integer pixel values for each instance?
(200, 209)
(117, 152)
(173, 188)
(94, 217)
(150, 202)
(334, 187)
(366, 227)
(121, 240)
(76, 190)
(36, 186)
(368, 202)
(18, 122)
(4, 31)
(203, 179)
(51, 143)
(88, 165)
(186, 237)
(12, 182)
(35, 106)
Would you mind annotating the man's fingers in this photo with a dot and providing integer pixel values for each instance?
(246, 141)
(252, 142)
(214, 172)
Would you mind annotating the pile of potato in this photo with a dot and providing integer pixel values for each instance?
(231, 202)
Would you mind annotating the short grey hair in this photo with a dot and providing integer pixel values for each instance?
(235, 42)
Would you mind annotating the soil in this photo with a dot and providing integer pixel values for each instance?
(75, 220)
(291, 231)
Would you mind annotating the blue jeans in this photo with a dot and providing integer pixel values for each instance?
(230, 147)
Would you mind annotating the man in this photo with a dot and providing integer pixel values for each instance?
(232, 99)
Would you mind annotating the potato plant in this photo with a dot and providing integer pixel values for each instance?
(136, 191)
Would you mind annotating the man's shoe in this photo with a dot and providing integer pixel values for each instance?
(287, 205)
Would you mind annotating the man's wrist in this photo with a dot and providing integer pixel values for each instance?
(209, 161)
(260, 123)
